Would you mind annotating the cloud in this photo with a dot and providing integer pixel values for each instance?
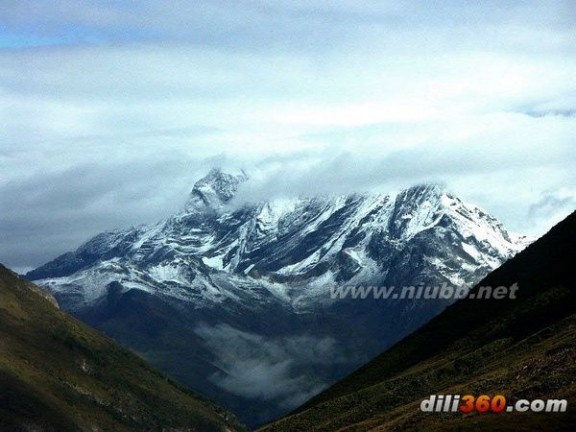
(269, 369)
(49, 211)
(553, 205)
(469, 162)
(110, 112)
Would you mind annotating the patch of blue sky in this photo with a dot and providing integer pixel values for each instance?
(11, 40)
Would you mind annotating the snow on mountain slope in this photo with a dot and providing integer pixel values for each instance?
(244, 267)
(290, 241)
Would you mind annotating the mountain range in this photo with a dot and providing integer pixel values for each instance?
(233, 299)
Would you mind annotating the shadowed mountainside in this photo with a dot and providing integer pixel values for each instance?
(524, 348)
(57, 374)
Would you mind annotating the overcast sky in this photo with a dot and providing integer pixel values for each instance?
(110, 110)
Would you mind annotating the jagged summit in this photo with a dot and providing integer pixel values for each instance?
(214, 190)
(302, 237)
(425, 190)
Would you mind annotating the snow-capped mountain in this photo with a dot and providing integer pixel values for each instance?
(241, 293)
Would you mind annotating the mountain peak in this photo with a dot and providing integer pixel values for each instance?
(424, 190)
(214, 190)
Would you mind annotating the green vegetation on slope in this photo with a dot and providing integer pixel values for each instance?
(524, 348)
(57, 374)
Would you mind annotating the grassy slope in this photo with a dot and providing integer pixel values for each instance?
(57, 374)
(523, 348)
